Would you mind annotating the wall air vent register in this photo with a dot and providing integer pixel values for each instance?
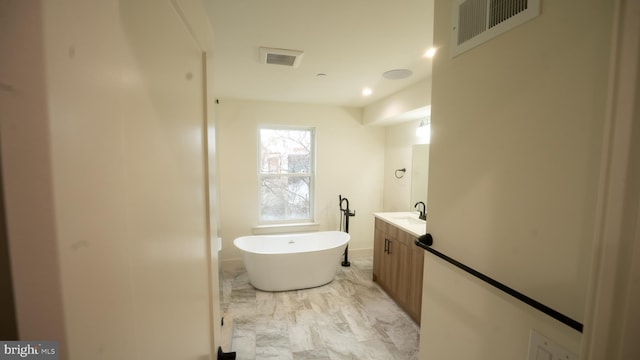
(477, 21)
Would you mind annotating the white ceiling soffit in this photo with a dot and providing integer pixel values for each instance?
(421, 113)
(351, 42)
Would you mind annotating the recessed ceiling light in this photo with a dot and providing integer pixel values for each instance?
(431, 52)
(367, 91)
(397, 74)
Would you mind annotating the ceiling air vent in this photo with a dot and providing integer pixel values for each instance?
(477, 21)
(280, 56)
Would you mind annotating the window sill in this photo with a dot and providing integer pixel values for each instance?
(285, 228)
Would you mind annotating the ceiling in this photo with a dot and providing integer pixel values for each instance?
(351, 41)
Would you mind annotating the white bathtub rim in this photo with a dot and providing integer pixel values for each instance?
(238, 240)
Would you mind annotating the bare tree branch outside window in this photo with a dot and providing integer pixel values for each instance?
(286, 174)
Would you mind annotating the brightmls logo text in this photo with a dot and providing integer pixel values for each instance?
(31, 350)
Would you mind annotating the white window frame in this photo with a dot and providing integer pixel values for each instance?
(311, 174)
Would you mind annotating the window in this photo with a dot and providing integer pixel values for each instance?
(286, 174)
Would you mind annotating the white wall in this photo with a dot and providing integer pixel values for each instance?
(350, 161)
(398, 113)
(386, 111)
(103, 157)
(513, 186)
(399, 141)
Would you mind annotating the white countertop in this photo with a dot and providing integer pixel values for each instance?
(405, 220)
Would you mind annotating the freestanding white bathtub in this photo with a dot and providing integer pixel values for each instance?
(292, 261)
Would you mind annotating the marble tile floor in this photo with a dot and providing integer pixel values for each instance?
(349, 318)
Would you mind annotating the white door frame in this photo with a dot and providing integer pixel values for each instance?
(193, 16)
(612, 319)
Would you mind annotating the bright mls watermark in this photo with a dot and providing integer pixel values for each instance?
(29, 350)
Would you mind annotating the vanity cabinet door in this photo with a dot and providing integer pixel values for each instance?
(414, 299)
(398, 258)
(397, 267)
(384, 268)
(396, 252)
(409, 291)
(379, 246)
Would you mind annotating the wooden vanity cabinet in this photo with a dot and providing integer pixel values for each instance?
(397, 267)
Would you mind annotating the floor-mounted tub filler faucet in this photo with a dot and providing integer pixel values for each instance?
(344, 224)
(423, 211)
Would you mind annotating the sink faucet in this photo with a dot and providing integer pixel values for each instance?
(423, 212)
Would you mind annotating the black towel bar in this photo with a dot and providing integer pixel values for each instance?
(425, 241)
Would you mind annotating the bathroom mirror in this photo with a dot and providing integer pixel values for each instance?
(419, 174)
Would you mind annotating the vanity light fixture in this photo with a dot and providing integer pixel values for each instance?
(424, 130)
(431, 52)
